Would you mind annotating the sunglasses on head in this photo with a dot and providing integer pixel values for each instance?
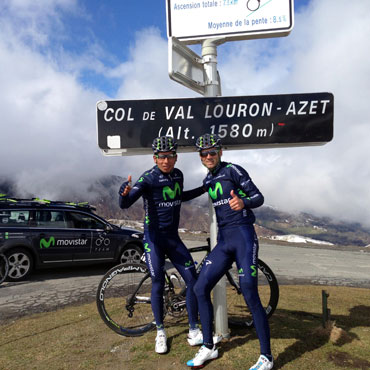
(164, 156)
(212, 153)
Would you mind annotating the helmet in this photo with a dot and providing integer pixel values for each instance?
(164, 144)
(208, 141)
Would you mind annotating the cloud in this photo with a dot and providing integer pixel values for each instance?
(322, 54)
(48, 138)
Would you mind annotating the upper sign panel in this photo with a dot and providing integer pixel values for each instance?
(192, 21)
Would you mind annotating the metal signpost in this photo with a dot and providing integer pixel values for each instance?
(245, 122)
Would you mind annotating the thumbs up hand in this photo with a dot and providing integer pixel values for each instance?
(126, 186)
(235, 202)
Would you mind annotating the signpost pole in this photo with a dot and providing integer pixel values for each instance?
(213, 88)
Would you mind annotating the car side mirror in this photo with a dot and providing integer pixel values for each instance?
(108, 228)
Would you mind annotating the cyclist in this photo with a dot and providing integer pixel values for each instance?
(162, 190)
(233, 195)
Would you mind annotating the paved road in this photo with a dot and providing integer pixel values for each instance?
(49, 289)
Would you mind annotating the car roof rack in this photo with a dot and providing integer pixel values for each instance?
(39, 201)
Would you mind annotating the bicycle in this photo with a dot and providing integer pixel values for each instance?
(4, 267)
(123, 296)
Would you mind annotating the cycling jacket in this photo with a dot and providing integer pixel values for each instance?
(220, 182)
(162, 194)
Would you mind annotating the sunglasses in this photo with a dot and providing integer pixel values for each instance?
(212, 153)
(166, 156)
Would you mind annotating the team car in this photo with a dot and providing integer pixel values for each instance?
(36, 233)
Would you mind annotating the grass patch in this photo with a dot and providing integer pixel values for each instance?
(76, 338)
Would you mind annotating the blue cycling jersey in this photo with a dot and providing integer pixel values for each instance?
(237, 242)
(162, 194)
(220, 182)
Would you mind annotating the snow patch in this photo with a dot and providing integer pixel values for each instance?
(291, 238)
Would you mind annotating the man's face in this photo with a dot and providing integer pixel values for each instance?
(210, 157)
(165, 161)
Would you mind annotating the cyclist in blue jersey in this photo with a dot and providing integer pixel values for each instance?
(162, 190)
(233, 195)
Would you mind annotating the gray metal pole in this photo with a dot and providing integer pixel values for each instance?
(213, 88)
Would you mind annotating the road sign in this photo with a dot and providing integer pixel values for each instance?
(192, 21)
(128, 127)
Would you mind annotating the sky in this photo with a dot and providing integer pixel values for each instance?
(59, 57)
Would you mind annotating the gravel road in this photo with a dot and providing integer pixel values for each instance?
(50, 289)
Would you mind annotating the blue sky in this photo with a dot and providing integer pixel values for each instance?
(59, 57)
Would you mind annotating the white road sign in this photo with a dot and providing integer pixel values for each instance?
(192, 21)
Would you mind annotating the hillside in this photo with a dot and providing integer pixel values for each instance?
(103, 194)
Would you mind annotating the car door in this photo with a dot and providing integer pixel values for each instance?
(52, 237)
(101, 246)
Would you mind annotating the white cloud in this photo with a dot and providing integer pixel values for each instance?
(48, 137)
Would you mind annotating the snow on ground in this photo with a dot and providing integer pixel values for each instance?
(291, 238)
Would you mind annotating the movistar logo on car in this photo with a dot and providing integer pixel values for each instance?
(171, 193)
(47, 243)
(72, 242)
(217, 189)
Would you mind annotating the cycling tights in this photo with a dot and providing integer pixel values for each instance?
(238, 244)
(157, 246)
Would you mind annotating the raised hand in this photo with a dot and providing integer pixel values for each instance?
(235, 202)
(128, 187)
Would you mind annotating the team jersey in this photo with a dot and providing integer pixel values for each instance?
(220, 182)
(162, 194)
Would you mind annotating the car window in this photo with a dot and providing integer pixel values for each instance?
(83, 221)
(14, 217)
(51, 219)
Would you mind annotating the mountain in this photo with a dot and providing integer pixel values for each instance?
(103, 194)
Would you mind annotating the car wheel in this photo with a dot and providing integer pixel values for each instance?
(131, 254)
(20, 264)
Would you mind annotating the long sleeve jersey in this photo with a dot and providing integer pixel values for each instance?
(220, 182)
(162, 194)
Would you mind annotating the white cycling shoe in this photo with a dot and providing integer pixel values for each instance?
(204, 354)
(195, 337)
(161, 342)
(263, 363)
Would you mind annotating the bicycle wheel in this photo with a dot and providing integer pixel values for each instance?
(268, 290)
(4, 268)
(123, 299)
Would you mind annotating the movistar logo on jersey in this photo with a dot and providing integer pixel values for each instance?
(47, 243)
(217, 189)
(188, 264)
(254, 270)
(241, 193)
(171, 193)
(146, 247)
